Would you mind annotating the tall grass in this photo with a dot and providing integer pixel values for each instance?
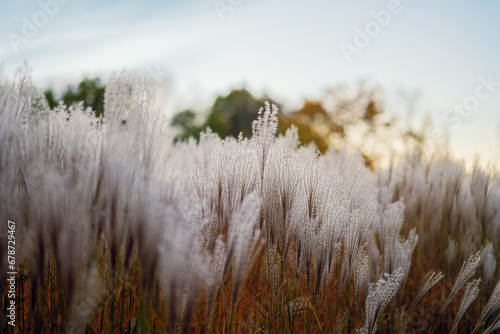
(121, 230)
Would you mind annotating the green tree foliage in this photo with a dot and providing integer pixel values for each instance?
(51, 100)
(308, 119)
(228, 116)
(185, 120)
(234, 113)
(316, 124)
(317, 121)
(90, 91)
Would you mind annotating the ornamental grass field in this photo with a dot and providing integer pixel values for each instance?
(121, 230)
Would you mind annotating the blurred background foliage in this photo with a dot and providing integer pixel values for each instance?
(343, 116)
(90, 91)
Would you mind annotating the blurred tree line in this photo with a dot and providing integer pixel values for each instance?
(332, 119)
(316, 121)
(90, 91)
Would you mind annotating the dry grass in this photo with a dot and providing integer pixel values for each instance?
(122, 231)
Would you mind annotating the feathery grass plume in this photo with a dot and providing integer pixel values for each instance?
(328, 240)
(282, 180)
(360, 272)
(178, 262)
(273, 267)
(432, 279)
(470, 294)
(290, 140)
(324, 216)
(397, 252)
(402, 254)
(221, 188)
(215, 274)
(208, 141)
(264, 130)
(307, 228)
(379, 295)
(489, 262)
(359, 221)
(468, 269)
(491, 307)
(244, 242)
(209, 187)
(123, 100)
(493, 327)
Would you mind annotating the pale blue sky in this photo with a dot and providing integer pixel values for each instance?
(288, 49)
